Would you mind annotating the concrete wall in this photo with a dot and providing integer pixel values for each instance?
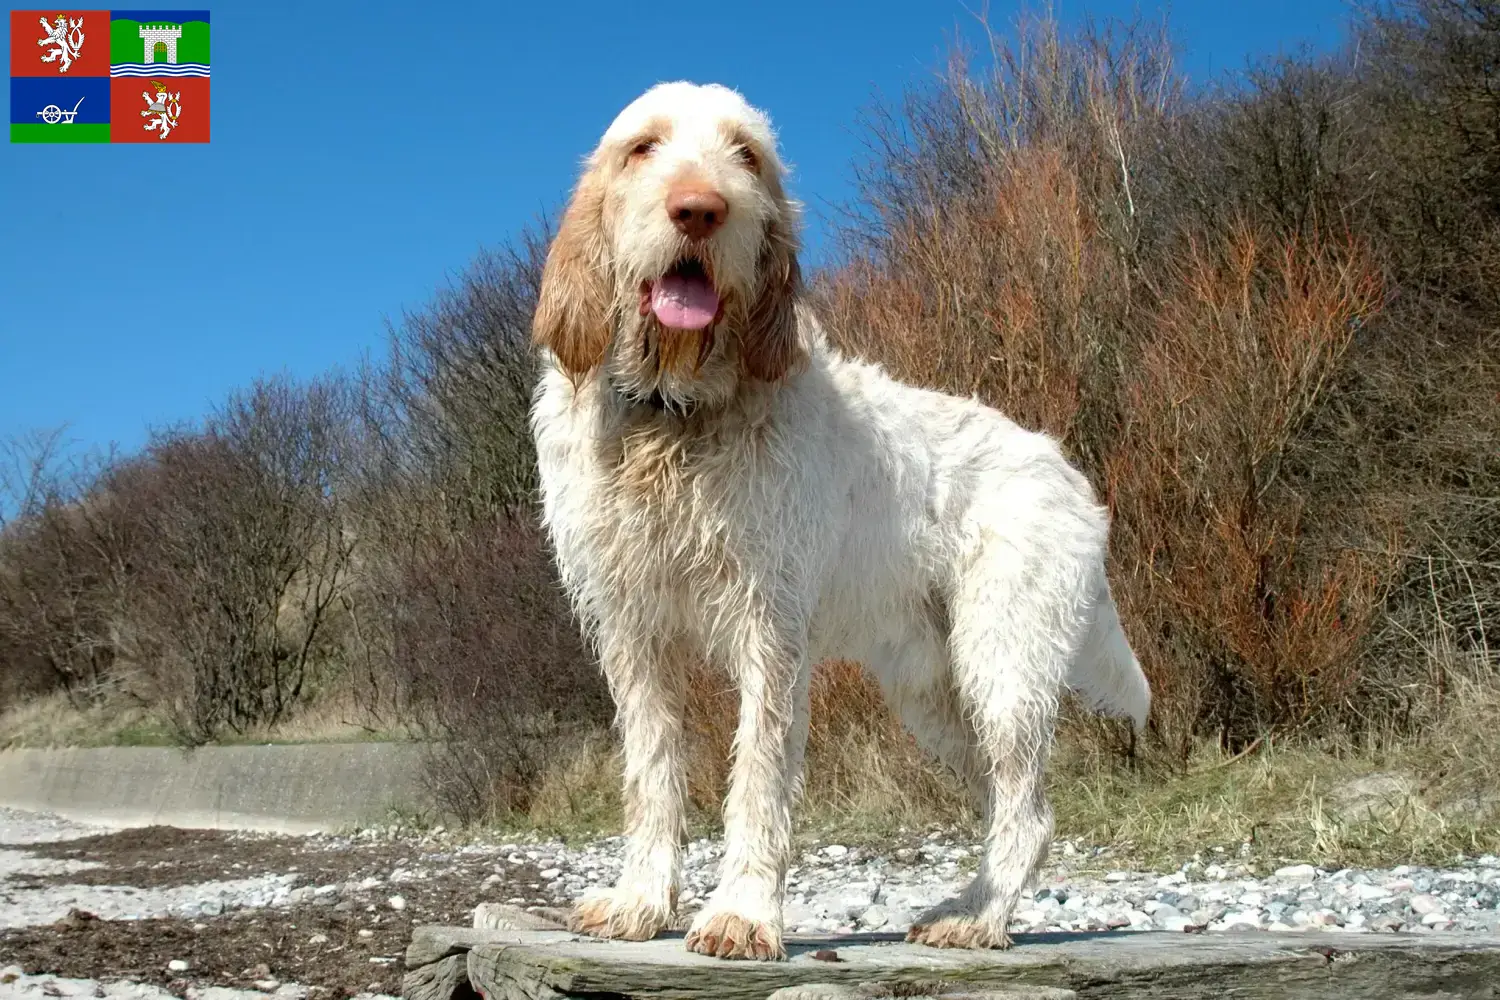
(289, 789)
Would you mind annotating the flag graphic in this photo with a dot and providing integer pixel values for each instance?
(109, 76)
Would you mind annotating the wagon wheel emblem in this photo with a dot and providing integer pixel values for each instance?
(52, 114)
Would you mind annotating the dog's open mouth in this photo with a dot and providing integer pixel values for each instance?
(684, 298)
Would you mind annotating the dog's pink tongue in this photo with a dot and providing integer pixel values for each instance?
(684, 303)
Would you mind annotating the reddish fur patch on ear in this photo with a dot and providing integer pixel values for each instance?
(769, 348)
(573, 313)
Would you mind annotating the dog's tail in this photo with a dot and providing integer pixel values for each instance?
(1106, 673)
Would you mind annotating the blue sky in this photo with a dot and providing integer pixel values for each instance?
(362, 153)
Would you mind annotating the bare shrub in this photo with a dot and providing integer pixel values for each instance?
(1239, 629)
(444, 445)
(1026, 170)
(493, 667)
(1385, 141)
(462, 622)
(1429, 83)
(1009, 296)
(246, 559)
(453, 405)
(29, 472)
(64, 556)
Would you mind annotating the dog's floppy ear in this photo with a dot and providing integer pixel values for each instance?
(573, 307)
(769, 348)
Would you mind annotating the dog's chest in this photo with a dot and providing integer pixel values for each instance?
(650, 511)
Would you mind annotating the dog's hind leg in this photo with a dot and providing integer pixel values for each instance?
(1018, 617)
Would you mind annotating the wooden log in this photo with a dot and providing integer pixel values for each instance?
(433, 942)
(1118, 966)
(437, 965)
(445, 979)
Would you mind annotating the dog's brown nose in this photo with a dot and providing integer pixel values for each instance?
(696, 211)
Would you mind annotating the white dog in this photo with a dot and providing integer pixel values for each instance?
(721, 486)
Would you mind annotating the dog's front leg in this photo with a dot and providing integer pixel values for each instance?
(743, 917)
(648, 680)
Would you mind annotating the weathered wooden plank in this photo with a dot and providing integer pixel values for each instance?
(433, 943)
(445, 979)
(1120, 966)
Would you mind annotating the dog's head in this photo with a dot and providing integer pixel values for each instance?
(675, 267)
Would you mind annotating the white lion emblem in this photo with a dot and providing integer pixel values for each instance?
(66, 35)
(166, 107)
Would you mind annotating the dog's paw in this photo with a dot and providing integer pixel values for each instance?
(957, 930)
(618, 913)
(729, 935)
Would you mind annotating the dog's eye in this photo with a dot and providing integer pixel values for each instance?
(747, 156)
(643, 149)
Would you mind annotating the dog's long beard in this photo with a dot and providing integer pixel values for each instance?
(659, 365)
(678, 352)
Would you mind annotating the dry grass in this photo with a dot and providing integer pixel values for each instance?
(869, 784)
(864, 776)
(56, 720)
(117, 718)
(1282, 799)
